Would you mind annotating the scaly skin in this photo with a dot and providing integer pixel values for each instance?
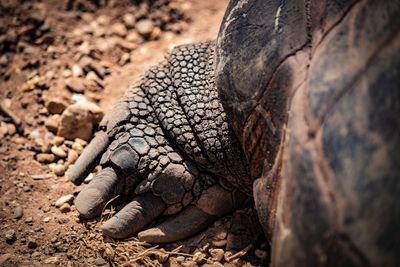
(168, 145)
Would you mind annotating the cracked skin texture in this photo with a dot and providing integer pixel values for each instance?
(168, 145)
(296, 103)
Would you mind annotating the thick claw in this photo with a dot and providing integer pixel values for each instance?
(134, 216)
(89, 159)
(93, 197)
(187, 223)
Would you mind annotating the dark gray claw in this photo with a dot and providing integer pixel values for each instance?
(89, 159)
(134, 216)
(184, 224)
(93, 197)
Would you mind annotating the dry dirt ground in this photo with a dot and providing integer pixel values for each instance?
(62, 51)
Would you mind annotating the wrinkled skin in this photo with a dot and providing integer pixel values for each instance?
(302, 114)
(318, 118)
(167, 145)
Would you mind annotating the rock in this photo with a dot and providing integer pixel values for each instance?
(58, 140)
(124, 59)
(109, 252)
(129, 20)
(89, 64)
(64, 199)
(18, 212)
(66, 73)
(10, 236)
(199, 257)
(81, 141)
(4, 60)
(217, 254)
(65, 208)
(77, 70)
(92, 76)
(77, 147)
(144, 27)
(189, 264)
(45, 158)
(32, 244)
(119, 29)
(219, 243)
(75, 85)
(11, 129)
(160, 256)
(47, 219)
(52, 123)
(56, 105)
(77, 120)
(156, 33)
(133, 37)
(99, 262)
(59, 169)
(72, 156)
(3, 129)
(52, 260)
(89, 178)
(180, 259)
(58, 151)
(103, 20)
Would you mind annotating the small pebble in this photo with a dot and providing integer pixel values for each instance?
(80, 141)
(59, 169)
(59, 152)
(77, 70)
(32, 244)
(198, 257)
(52, 260)
(109, 252)
(99, 262)
(89, 178)
(77, 147)
(160, 256)
(144, 27)
(156, 33)
(11, 128)
(47, 219)
(119, 29)
(18, 212)
(72, 156)
(65, 208)
(219, 243)
(189, 264)
(180, 259)
(64, 199)
(45, 158)
(217, 254)
(58, 140)
(52, 123)
(10, 236)
(56, 105)
(129, 20)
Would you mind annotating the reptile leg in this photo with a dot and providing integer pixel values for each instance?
(153, 147)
